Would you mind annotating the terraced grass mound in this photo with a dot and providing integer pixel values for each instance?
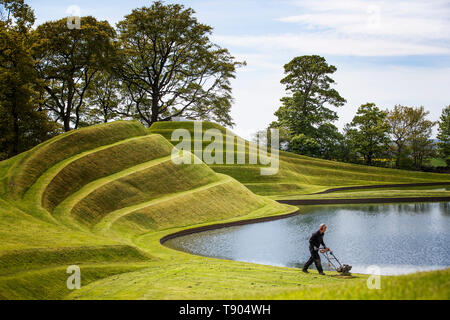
(84, 196)
(39, 159)
(90, 167)
(143, 185)
(226, 199)
(297, 174)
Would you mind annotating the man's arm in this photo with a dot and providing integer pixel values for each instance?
(323, 243)
(325, 249)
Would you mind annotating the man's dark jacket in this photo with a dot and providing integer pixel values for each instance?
(316, 240)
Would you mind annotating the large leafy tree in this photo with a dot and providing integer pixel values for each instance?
(410, 134)
(306, 112)
(170, 67)
(104, 100)
(401, 120)
(22, 123)
(347, 149)
(444, 134)
(68, 61)
(368, 132)
(420, 142)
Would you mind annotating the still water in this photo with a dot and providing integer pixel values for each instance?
(398, 238)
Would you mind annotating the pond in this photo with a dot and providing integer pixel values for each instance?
(397, 238)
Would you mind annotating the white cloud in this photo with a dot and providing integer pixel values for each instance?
(332, 44)
(388, 86)
(422, 27)
(257, 98)
(375, 23)
(360, 28)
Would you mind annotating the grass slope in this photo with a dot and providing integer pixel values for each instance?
(418, 286)
(299, 174)
(82, 197)
(102, 197)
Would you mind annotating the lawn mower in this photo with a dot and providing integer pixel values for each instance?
(341, 268)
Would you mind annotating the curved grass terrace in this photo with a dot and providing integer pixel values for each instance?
(104, 197)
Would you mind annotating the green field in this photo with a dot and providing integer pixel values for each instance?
(102, 197)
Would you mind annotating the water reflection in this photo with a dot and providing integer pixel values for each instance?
(407, 208)
(445, 207)
(400, 238)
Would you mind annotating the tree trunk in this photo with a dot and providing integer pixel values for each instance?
(155, 109)
(369, 160)
(67, 123)
(399, 154)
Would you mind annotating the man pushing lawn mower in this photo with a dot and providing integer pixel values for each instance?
(314, 246)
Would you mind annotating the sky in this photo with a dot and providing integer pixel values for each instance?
(386, 52)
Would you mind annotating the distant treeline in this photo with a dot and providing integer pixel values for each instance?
(400, 137)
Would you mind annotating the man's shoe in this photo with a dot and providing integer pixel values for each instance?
(321, 273)
(305, 271)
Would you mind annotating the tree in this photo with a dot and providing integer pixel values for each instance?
(420, 137)
(368, 131)
(400, 121)
(330, 140)
(411, 132)
(301, 144)
(68, 61)
(306, 110)
(22, 123)
(444, 134)
(103, 99)
(347, 150)
(171, 68)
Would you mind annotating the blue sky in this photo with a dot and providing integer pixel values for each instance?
(387, 52)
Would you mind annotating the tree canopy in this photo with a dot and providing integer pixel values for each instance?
(68, 61)
(411, 133)
(170, 67)
(306, 112)
(444, 134)
(22, 123)
(400, 121)
(368, 132)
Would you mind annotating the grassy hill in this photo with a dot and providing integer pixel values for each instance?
(102, 197)
(299, 174)
(60, 200)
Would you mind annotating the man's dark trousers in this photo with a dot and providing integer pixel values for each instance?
(314, 258)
